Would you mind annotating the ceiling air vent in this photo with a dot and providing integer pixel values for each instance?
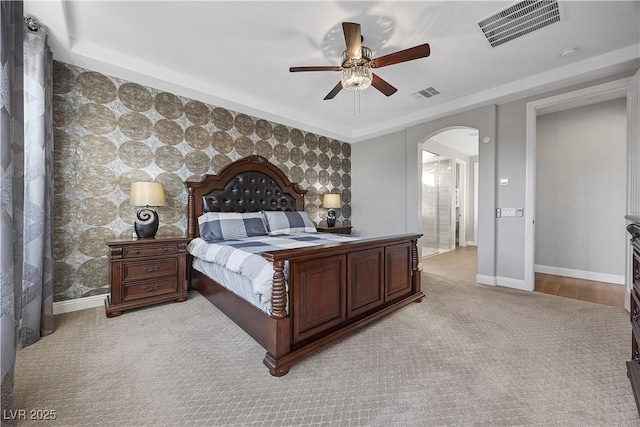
(429, 92)
(520, 19)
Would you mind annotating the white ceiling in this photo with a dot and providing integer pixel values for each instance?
(237, 54)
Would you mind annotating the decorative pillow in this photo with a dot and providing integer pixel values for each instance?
(216, 226)
(280, 222)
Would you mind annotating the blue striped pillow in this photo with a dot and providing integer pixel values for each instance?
(280, 222)
(217, 226)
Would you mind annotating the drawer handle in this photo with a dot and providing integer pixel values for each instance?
(137, 251)
(151, 269)
(156, 287)
(636, 315)
(165, 249)
(636, 276)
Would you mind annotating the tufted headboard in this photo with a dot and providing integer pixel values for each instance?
(250, 184)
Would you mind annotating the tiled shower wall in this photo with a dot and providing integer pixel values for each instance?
(109, 132)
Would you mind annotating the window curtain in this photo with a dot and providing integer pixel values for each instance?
(26, 140)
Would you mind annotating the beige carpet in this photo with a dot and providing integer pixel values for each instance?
(468, 355)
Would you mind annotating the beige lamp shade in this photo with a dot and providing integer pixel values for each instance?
(146, 194)
(331, 201)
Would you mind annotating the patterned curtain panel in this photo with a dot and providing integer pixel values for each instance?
(26, 141)
(11, 148)
(37, 264)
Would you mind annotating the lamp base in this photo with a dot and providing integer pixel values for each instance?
(331, 218)
(149, 227)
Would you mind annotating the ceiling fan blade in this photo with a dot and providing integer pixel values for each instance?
(353, 38)
(334, 91)
(383, 86)
(410, 54)
(319, 68)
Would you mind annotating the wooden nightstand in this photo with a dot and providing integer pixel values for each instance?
(338, 229)
(145, 272)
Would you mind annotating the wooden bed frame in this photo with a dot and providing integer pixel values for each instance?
(333, 289)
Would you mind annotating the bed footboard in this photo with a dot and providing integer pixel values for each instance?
(335, 290)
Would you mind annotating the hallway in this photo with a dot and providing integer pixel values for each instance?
(461, 264)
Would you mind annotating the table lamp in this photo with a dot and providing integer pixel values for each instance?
(331, 202)
(146, 194)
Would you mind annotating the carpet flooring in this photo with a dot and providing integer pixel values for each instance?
(468, 355)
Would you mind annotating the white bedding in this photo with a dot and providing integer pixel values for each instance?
(243, 256)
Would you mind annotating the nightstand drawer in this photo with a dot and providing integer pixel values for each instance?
(150, 268)
(150, 288)
(150, 250)
(145, 272)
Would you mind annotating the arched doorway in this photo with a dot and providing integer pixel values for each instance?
(448, 211)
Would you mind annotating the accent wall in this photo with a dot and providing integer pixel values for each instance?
(109, 132)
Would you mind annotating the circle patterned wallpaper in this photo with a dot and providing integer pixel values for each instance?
(109, 132)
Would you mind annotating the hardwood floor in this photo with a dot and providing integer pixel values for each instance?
(462, 264)
(585, 290)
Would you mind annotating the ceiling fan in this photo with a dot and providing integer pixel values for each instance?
(357, 64)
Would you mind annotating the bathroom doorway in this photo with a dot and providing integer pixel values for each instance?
(437, 196)
(449, 191)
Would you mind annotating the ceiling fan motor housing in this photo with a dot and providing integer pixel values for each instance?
(364, 58)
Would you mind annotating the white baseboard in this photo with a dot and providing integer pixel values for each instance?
(580, 274)
(78, 304)
(471, 244)
(485, 280)
(501, 281)
(508, 282)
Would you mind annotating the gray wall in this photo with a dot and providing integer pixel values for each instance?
(501, 243)
(580, 188)
(511, 161)
(378, 186)
(483, 119)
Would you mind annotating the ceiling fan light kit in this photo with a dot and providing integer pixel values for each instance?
(356, 78)
(356, 72)
(357, 65)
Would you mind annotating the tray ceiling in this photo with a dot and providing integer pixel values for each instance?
(237, 54)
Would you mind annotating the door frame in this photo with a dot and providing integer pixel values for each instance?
(462, 202)
(475, 202)
(530, 169)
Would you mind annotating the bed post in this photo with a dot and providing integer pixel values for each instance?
(279, 330)
(191, 214)
(279, 293)
(415, 269)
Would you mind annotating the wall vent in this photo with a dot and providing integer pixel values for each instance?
(519, 19)
(429, 92)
